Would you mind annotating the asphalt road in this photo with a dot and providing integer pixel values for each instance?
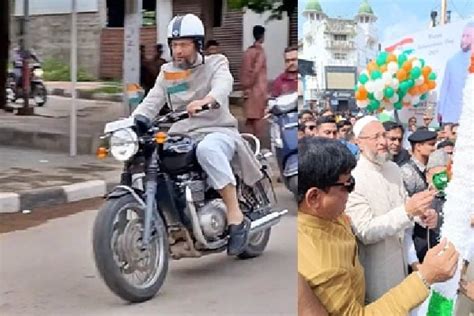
(46, 268)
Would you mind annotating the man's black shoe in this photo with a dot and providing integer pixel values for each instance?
(238, 237)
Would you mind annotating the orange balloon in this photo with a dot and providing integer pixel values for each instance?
(372, 66)
(391, 57)
(401, 75)
(407, 66)
(426, 71)
(414, 91)
(357, 95)
(363, 93)
(424, 88)
(431, 84)
(383, 68)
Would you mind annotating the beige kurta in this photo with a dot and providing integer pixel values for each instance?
(179, 88)
(253, 78)
(376, 208)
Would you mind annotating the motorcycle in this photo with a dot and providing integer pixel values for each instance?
(283, 118)
(164, 208)
(37, 88)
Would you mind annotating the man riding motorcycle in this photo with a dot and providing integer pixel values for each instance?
(191, 81)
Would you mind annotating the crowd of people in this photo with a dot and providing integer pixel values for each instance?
(370, 212)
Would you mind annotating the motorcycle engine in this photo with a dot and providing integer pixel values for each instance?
(213, 219)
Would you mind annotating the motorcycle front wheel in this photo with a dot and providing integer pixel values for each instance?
(39, 94)
(133, 272)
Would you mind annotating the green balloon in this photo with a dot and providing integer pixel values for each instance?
(388, 92)
(398, 105)
(356, 87)
(424, 96)
(376, 75)
(415, 73)
(382, 58)
(422, 61)
(402, 58)
(403, 87)
(374, 104)
(432, 76)
(363, 78)
(371, 96)
(411, 83)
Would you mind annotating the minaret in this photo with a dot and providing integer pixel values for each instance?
(313, 11)
(366, 18)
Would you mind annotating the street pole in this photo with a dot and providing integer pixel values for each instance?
(73, 123)
(443, 11)
(131, 48)
(25, 56)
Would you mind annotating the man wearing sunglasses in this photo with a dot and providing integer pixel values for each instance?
(380, 210)
(394, 143)
(327, 248)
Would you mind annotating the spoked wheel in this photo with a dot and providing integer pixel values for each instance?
(131, 270)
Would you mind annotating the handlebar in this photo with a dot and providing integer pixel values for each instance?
(173, 117)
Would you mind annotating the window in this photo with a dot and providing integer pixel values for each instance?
(340, 56)
(340, 37)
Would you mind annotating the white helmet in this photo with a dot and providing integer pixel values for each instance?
(187, 26)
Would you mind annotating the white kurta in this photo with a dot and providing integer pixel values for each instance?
(376, 208)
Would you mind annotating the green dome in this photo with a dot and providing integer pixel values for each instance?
(313, 5)
(365, 8)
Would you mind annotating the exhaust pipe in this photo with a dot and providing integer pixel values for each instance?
(267, 221)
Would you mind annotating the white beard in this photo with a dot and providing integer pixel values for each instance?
(378, 159)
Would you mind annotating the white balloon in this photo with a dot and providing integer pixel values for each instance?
(387, 78)
(362, 104)
(407, 99)
(416, 63)
(392, 67)
(378, 95)
(369, 86)
(395, 83)
(419, 81)
(394, 98)
(379, 85)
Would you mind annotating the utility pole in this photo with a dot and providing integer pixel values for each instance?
(73, 117)
(25, 56)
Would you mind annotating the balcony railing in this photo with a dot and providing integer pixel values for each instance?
(344, 45)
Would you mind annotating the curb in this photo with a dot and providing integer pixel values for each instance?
(27, 200)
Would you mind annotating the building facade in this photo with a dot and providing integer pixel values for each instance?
(100, 31)
(340, 49)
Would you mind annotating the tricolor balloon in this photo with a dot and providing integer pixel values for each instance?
(394, 80)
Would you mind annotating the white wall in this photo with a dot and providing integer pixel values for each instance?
(276, 40)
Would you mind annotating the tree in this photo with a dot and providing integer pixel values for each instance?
(276, 7)
(5, 35)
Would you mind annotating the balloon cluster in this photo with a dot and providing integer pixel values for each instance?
(394, 81)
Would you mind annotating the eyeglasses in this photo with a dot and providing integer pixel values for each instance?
(349, 186)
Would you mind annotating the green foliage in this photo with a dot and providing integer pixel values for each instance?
(55, 70)
(277, 7)
(108, 89)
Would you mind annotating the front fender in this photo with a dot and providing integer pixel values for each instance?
(122, 190)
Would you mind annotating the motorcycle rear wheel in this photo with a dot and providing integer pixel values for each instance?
(257, 244)
(116, 255)
(39, 94)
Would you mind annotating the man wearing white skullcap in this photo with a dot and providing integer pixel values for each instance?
(380, 210)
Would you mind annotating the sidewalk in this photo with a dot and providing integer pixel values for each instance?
(34, 178)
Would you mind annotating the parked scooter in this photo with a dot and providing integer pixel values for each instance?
(283, 117)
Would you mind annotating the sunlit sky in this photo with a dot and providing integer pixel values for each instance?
(396, 18)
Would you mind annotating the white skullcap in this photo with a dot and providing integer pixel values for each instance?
(361, 123)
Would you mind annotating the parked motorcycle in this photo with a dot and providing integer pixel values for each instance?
(283, 117)
(37, 88)
(165, 208)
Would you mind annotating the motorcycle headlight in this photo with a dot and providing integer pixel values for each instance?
(123, 144)
(38, 73)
